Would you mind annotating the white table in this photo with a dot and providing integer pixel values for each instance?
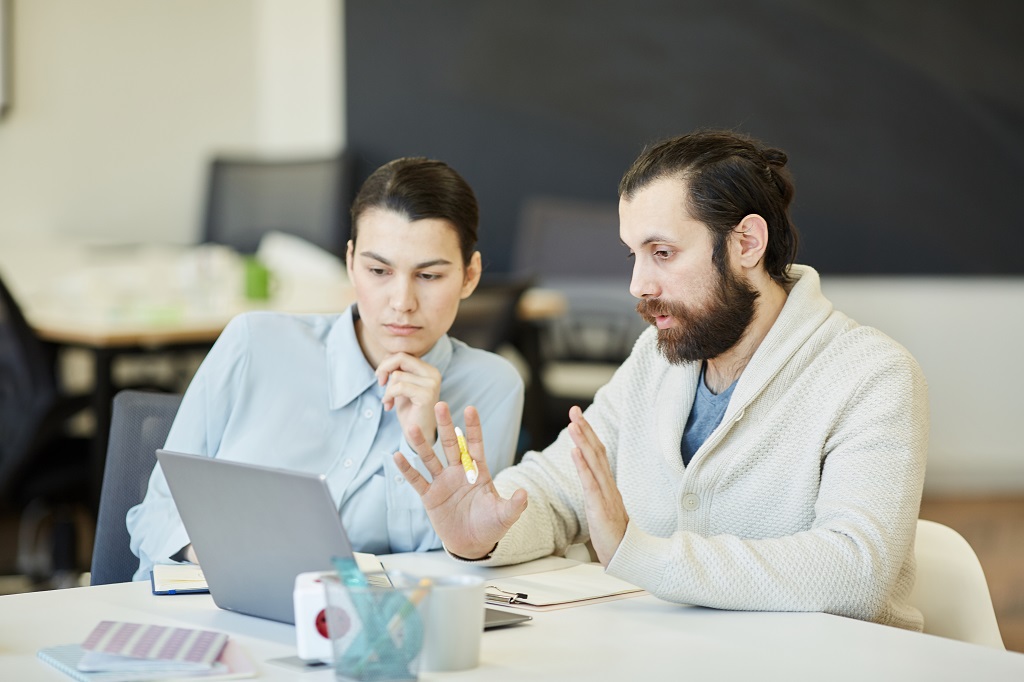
(639, 638)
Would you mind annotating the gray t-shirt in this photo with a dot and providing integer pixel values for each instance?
(706, 415)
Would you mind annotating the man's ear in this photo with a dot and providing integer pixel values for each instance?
(472, 278)
(349, 256)
(750, 240)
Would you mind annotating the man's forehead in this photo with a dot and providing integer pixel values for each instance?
(664, 192)
(657, 210)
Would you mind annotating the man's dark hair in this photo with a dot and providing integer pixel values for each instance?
(419, 188)
(728, 176)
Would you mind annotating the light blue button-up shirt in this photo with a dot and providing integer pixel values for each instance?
(296, 392)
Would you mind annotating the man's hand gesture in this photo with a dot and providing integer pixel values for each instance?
(606, 513)
(469, 519)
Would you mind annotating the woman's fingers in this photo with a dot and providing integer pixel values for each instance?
(407, 366)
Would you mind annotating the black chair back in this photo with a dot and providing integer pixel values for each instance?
(600, 324)
(307, 198)
(488, 318)
(138, 427)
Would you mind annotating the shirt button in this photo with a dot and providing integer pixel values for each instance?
(348, 463)
(690, 502)
(399, 478)
(367, 413)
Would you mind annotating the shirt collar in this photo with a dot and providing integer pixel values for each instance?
(350, 373)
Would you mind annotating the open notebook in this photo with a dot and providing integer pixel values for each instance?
(576, 585)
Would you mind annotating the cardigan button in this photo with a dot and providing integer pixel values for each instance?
(690, 502)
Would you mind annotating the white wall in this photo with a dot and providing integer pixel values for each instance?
(968, 335)
(118, 105)
(300, 75)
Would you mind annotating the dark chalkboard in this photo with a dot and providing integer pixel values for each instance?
(904, 120)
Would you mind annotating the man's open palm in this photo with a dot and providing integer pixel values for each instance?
(469, 518)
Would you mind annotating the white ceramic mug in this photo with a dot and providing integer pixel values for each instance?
(453, 624)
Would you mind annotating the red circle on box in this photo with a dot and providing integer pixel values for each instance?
(321, 624)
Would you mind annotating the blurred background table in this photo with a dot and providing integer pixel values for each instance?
(115, 301)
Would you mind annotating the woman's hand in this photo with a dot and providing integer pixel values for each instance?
(413, 388)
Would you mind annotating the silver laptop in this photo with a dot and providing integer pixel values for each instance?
(255, 528)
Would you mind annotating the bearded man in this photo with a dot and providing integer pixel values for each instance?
(758, 450)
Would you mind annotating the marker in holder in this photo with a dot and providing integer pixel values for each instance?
(376, 632)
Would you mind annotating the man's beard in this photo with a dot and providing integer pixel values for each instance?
(706, 333)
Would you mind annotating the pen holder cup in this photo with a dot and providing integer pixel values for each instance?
(376, 633)
(453, 622)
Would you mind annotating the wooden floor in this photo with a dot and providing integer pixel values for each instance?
(995, 529)
(993, 526)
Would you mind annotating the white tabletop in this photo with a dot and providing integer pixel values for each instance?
(629, 639)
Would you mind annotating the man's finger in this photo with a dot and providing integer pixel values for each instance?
(415, 479)
(425, 451)
(587, 479)
(591, 438)
(595, 460)
(446, 434)
(511, 509)
(576, 417)
(475, 442)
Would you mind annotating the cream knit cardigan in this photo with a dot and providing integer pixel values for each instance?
(805, 498)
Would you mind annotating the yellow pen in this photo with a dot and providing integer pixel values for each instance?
(467, 462)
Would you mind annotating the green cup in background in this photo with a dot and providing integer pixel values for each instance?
(257, 280)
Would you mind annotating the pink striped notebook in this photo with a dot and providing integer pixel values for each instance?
(156, 642)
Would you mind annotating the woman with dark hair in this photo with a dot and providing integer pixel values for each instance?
(338, 394)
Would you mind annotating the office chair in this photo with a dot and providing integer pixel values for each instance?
(572, 246)
(308, 198)
(139, 425)
(951, 591)
(489, 317)
(44, 468)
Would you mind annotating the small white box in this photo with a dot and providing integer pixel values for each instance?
(311, 638)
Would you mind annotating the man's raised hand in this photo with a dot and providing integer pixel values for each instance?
(469, 518)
